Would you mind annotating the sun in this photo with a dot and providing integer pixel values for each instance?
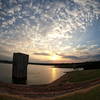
(54, 57)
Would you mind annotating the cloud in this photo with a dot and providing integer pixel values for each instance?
(71, 57)
(97, 56)
(83, 58)
(53, 26)
(5, 57)
(43, 54)
(5, 53)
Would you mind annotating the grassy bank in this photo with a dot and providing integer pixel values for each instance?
(81, 76)
(94, 94)
(84, 75)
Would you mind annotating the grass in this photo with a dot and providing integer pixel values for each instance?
(84, 75)
(94, 94)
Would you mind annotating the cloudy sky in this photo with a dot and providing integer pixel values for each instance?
(47, 30)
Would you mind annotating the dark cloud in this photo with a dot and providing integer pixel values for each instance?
(96, 57)
(88, 57)
(71, 57)
(44, 54)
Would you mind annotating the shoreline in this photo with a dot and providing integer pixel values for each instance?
(54, 89)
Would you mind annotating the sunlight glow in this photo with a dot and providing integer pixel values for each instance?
(55, 57)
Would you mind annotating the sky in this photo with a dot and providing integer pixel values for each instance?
(50, 30)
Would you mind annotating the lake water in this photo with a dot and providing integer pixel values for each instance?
(36, 74)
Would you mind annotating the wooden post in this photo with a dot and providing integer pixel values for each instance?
(19, 70)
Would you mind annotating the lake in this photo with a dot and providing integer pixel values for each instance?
(36, 74)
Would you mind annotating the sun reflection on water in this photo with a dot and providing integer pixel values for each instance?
(54, 73)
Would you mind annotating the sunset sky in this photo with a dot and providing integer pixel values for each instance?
(50, 30)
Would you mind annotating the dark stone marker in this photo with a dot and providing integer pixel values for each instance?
(19, 70)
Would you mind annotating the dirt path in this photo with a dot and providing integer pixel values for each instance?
(56, 88)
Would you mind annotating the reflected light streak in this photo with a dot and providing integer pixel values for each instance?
(54, 74)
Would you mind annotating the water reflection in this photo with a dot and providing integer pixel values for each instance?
(54, 74)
